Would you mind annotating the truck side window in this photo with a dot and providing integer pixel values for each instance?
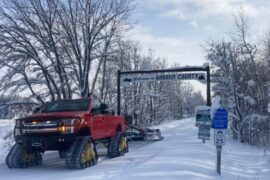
(95, 106)
(95, 103)
(95, 111)
(104, 108)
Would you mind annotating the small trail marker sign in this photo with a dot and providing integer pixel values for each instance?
(203, 117)
(204, 132)
(220, 137)
(203, 121)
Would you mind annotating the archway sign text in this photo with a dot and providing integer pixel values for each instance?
(163, 77)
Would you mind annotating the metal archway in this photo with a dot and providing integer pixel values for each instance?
(156, 75)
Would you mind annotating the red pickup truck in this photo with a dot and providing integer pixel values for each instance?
(72, 127)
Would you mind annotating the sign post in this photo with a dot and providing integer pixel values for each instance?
(204, 133)
(219, 148)
(219, 123)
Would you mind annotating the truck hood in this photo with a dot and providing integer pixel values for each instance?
(55, 115)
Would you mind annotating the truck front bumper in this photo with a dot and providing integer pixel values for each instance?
(46, 142)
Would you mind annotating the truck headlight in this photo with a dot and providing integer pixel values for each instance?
(66, 129)
(69, 122)
(68, 125)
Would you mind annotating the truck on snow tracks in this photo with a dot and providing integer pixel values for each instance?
(72, 127)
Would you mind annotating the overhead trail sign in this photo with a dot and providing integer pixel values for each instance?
(200, 73)
(163, 77)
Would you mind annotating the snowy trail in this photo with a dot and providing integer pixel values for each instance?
(179, 156)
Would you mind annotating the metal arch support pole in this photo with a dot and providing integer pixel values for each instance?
(118, 93)
(208, 88)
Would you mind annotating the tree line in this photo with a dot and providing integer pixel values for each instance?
(240, 75)
(63, 49)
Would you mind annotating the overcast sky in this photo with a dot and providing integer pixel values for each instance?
(176, 29)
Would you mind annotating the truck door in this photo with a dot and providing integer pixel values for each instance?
(99, 125)
(111, 125)
(100, 119)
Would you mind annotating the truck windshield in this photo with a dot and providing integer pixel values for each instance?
(66, 105)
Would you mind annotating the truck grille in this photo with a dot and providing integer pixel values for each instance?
(41, 123)
(46, 126)
(40, 130)
(39, 127)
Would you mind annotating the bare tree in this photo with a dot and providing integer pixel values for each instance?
(51, 44)
(86, 24)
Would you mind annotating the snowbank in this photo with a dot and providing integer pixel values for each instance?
(6, 135)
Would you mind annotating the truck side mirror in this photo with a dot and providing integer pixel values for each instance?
(37, 110)
(103, 108)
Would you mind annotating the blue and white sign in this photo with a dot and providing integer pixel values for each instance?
(220, 119)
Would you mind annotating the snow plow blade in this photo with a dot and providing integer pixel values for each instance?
(135, 133)
(143, 134)
(153, 135)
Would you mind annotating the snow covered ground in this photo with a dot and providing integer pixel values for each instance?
(179, 156)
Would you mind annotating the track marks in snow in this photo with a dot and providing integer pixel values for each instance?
(179, 156)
